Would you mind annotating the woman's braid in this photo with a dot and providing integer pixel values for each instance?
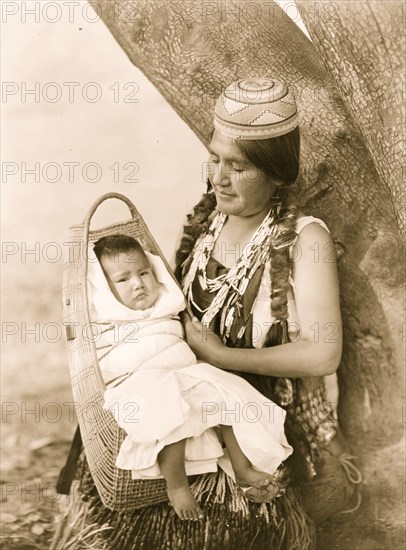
(280, 265)
(197, 223)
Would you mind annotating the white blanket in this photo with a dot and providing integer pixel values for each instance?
(159, 393)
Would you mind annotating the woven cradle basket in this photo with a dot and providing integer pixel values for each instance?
(101, 435)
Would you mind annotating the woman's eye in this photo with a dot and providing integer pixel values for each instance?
(123, 280)
(237, 167)
(214, 160)
(143, 273)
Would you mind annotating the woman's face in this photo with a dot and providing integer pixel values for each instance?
(241, 189)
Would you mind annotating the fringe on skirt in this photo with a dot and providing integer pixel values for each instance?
(231, 521)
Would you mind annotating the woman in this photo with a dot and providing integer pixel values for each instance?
(281, 296)
(268, 312)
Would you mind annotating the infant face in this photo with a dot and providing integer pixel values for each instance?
(131, 279)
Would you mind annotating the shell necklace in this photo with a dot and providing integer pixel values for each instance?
(231, 286)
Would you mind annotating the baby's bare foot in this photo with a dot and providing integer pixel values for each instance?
(250, 477)
(261, 494)
(184, 503)
(257, 486)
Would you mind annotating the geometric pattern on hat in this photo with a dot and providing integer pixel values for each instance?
(233, 107)
(266, 116)
(256, 108)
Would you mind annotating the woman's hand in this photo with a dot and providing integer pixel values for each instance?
(203, 341)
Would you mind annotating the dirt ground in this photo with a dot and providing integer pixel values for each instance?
(38, 424)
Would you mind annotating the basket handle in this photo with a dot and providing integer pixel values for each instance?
(85, 242)
(98, 202)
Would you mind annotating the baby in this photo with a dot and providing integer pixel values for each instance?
(168, 403)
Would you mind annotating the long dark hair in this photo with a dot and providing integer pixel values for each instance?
(277, 157)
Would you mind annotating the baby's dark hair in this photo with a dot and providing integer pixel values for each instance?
(116, 244)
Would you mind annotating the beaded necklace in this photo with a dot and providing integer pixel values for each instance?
(230, 286)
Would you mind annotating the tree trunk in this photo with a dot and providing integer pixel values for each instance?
(191, 50)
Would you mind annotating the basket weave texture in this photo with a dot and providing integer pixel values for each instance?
(101, 435)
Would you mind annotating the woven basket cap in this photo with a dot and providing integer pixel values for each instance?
(257, 108)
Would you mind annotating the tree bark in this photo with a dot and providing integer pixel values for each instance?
(361, 46)
(190, 50)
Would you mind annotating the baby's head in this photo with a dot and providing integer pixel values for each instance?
(127, 271)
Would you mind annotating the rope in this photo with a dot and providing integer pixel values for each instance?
(350, 468)
(354, 475)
